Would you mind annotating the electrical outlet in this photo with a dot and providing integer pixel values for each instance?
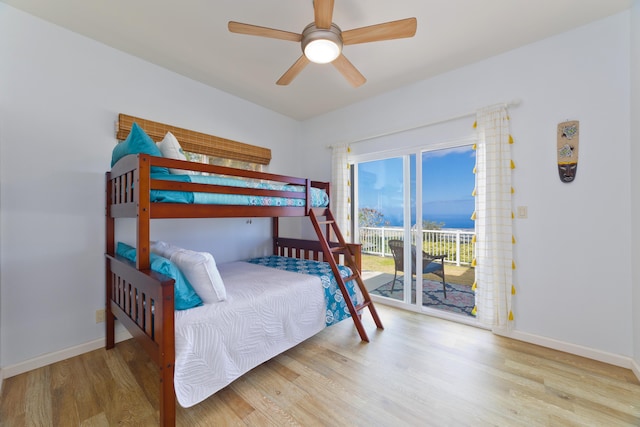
(100, 316)
(523, 212)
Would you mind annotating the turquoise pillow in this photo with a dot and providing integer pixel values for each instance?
(184, 295)
(137, 142)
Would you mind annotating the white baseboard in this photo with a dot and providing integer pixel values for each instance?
(57, 356)
(578, 350)
(635, 367)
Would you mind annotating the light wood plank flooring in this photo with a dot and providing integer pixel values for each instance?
(419, 371)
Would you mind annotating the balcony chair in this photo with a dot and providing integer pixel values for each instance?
(431, 264)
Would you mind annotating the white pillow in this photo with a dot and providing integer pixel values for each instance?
(164, 249)
(171, 149)
(201, 271)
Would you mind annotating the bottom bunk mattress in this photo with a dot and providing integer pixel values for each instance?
(267, 311)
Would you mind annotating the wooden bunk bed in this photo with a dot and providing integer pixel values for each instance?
(143, 300)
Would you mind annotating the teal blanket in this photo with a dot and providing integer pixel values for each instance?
(319, 198)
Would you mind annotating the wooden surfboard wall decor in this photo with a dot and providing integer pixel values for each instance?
(568, 142)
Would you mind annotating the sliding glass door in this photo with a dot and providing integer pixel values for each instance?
(413, 262)
(385, 197)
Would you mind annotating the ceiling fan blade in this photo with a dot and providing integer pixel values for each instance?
(292, 72)
(323, 12)
(387, 31)
(349, 72)
(255, 30)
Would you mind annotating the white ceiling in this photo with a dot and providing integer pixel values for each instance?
(191, 38)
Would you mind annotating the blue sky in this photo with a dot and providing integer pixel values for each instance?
(447, 184)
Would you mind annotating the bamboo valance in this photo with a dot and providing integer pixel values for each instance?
(196, 142)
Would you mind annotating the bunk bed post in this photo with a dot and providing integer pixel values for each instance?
(328, 230)
(275, 234)
(165, 331)
(356, 251)
(307, 190)
(142, 195)
(110, 249)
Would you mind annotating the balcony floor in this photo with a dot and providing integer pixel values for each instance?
(375, 269)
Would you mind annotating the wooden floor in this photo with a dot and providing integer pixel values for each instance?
(419, 371)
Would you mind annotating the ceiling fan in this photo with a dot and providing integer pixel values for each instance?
(322, 40)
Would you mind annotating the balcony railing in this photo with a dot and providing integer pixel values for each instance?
(455, 244)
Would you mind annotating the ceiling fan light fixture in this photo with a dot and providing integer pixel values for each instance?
(321, 45)
(322, 51)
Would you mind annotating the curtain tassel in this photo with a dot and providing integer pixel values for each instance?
(513, 240)
(513, 290)
(510, 315)
(473, 239)
(473, 216)
(473, 262)
(512, 190)
(510, 139)
(474, 286)
(513, 165)
(475, 170)
(513, 265)
(475, 124)
(474, 311)
(473, 193)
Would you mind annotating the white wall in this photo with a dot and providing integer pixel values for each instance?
(573, 253)
(635, 175)
(60, 94)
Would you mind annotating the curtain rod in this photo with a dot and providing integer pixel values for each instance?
(513, 103)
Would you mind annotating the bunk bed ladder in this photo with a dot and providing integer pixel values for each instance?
(330, 252)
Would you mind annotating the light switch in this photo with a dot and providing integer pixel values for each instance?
(522, 212)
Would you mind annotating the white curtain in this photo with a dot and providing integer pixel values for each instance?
(341, 189)
(494, 262)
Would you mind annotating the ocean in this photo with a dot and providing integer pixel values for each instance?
(455, 221)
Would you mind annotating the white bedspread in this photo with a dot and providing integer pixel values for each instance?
(267, 311)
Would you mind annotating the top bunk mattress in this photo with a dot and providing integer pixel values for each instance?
(319, 198)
